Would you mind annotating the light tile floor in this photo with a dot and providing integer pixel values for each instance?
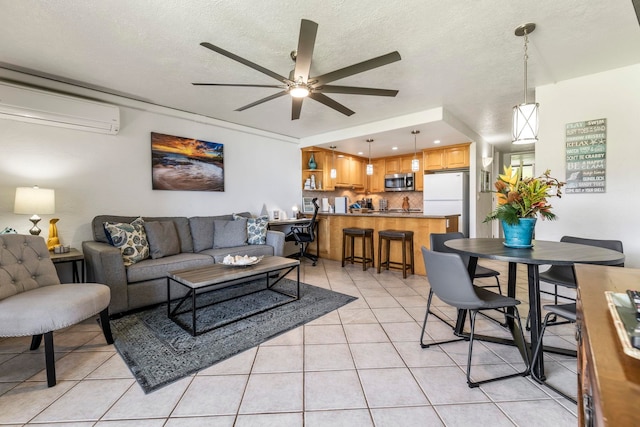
(361, 365)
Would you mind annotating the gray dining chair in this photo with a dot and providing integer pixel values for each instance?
(567, 312)
(450, 282)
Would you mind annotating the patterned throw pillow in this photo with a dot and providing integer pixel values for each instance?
(130, 238)
(256, 229)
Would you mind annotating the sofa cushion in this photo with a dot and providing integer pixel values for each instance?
(150, 269)
(228, 234)
(163, 238)
(256, 229)
(181, 223)
(130, 238)
(202, 229)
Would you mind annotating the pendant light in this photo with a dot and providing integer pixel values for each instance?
(415, 163)
(334, 172)
(369, 165)
(525, 115)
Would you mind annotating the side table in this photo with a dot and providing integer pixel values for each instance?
(74, 256)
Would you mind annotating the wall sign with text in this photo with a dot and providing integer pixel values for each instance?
(586, 144)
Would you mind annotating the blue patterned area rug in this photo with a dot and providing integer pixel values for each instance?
(158, 351)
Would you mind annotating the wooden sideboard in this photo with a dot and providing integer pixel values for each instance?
(608, 379)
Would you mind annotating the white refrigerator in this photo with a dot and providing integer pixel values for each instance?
(448, 194)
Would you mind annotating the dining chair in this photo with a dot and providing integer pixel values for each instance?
(304, 235)
(567, 312)
(437, 244)
(563, 275)
(450, 282)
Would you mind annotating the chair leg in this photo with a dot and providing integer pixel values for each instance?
(106, 326)
(35, 342)
(50, 360)
(473, 384)
(424, 327)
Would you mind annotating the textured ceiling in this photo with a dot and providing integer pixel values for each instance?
(458, 56)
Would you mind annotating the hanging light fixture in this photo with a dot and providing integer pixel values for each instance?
(334, 172)
(369, 165)
(415, 163)
(525, 115)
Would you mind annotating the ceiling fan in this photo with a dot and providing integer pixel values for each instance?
(300, 84)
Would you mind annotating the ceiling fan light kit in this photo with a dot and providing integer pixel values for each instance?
(300, 84)
(525, 115)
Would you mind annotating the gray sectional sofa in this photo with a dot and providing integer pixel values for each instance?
(196, 241)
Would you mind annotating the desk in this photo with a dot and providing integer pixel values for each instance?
(73, 256)
(542, 253)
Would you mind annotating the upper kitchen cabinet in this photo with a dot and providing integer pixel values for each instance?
(375, 182)
(321, 173)
(351, 172)
(452, 157)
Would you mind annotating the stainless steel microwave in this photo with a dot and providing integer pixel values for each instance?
(400, 182)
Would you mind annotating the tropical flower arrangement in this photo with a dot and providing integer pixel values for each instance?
(524, 197)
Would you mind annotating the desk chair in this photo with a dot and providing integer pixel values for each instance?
(567, 312)
(449, 280)
(303, 235)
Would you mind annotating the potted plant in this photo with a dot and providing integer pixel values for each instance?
(521, 201)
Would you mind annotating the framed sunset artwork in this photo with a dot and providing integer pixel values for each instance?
(186, 164)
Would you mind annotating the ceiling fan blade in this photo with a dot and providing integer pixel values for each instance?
(323, 99)
(237, 85)
(245, 62)
(296, 107)
(306, 42)
(356, 90)
(356, 68)
(260, 101)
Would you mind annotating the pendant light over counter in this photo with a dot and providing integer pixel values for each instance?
(415, 163)
(334, 172)
(525, 115)
(369, 165)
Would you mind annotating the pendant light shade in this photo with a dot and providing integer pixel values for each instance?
(525, 115)
(415, 163)
(334, 172)
(369, 165)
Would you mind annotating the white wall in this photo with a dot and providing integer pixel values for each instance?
(103, 174)
(614, 95)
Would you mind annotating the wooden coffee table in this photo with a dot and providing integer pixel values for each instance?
(219, 276)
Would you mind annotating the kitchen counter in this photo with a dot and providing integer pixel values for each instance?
(330, 227)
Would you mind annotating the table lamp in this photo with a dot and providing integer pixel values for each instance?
(34, 200)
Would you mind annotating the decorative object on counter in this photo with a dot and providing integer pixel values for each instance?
(523, 198)
(307, 184)
(313, 182)
(53, 239)
(312, 162)
(525, 115)
(405, 204)
(415, 163)
(8, 230)
(334, 172)
(369, 165)
(34, 200)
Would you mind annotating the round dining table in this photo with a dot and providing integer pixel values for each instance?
(541, 253)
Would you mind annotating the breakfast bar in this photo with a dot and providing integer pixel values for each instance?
(330, 227)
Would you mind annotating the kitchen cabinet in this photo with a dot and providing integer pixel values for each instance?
(322, 172)
(452, 157)
(351, 172)
(375, 182)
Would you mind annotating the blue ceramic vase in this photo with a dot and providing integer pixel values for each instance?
(312, 162)
(519, 235)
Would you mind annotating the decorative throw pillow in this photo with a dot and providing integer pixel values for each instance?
(227, 234)
(130, 238)
(256, 229)
(163, 238)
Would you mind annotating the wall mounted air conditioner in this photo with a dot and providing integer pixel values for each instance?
(48, 108)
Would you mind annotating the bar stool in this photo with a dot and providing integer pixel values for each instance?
(352, 234)
(404, 236)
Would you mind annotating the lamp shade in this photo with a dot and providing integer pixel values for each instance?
(34, 200)
(525, 123)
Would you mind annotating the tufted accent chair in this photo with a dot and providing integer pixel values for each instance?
(34, 303)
